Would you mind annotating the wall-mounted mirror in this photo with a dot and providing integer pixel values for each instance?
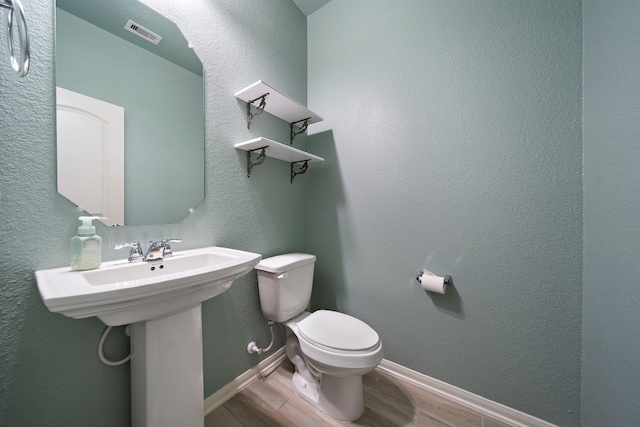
(145, 164)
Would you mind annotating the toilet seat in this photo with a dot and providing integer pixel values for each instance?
(338, 331)
(326, 331)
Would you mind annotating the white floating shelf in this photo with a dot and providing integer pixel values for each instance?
(298, 160)
(278, 104)
(278, 150)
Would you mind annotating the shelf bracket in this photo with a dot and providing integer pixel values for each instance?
(302, 170)
(259, 108)
(302, 128)
(259, 159)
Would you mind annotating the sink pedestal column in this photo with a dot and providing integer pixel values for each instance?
(166, 371)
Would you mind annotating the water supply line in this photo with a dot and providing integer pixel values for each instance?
(253, 347)
(101, 355)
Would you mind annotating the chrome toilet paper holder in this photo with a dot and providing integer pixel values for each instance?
(448, 280)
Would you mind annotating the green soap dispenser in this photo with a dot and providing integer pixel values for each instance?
(86, 247)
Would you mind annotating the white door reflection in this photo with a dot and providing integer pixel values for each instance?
(91, 154)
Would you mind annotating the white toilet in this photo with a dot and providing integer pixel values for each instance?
(330, 350)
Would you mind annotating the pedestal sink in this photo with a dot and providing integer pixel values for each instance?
(162, 302)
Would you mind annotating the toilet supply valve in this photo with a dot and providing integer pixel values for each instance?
(252, 347)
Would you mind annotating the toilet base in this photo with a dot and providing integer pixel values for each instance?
(340, 397)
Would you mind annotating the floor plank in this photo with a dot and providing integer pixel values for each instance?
(492, 422)
(422, 401)
(389, 402)
(302, 413)
(389, 410)
(222, 417)
(254, 412)
(271, 395)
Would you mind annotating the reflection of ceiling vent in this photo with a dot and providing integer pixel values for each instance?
(142, 32)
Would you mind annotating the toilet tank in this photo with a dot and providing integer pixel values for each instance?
(285, 283)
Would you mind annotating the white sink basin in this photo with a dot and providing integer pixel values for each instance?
(120, 292)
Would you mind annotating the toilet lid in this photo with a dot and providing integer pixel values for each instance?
(338, 330)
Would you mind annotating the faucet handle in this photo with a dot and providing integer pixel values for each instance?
(167, 247)
(136, 250)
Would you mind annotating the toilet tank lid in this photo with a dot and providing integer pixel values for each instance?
(282, 263)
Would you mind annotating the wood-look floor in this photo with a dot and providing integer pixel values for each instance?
(389, 402)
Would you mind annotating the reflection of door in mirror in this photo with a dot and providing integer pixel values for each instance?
(91, 154)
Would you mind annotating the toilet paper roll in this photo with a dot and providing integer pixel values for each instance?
(432, 283)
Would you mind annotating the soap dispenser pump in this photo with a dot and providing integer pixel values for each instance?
(86, 247)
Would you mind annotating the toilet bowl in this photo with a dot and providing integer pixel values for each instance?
(330, 350)
(330, 360)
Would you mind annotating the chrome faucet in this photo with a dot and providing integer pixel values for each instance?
(156, 250)
(160, 249)
(136, 250)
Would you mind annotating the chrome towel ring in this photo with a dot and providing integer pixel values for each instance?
(14, 7)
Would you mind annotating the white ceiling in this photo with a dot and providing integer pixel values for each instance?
(309, 6)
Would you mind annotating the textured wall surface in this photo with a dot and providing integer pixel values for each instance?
(611, 311)
(452, 135)
(49, 371)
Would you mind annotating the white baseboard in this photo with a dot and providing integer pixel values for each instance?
(262, 369)
(462, 397)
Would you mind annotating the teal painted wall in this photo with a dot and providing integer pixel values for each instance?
(453, 141)
(164, 129)
(49, 371)
(611, 302)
